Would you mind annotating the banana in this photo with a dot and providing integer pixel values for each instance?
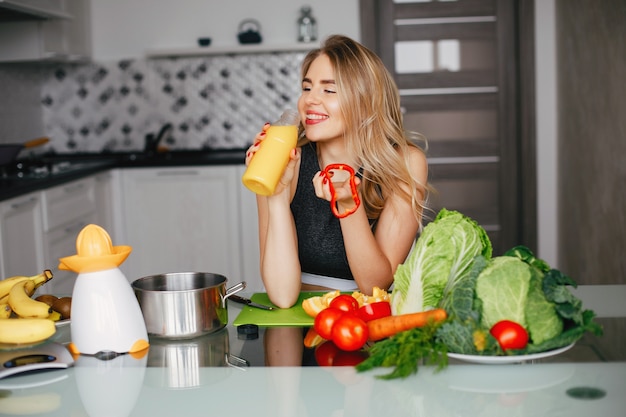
(7, 284)
(54, 316)
(5, 310)
(24, 405)
(26, 330)
(23, 305)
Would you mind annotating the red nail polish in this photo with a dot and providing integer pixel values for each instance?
(263, 133)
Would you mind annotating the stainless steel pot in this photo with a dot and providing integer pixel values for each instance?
(184, 305)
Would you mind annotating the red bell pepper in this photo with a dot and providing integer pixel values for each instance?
(374, 311)
(355, 194)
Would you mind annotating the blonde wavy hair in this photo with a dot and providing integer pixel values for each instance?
(370, 104)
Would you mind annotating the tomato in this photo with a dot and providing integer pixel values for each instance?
(325, 353)
(350, 332)
(325, 320)
(510, 335)
(375, 310)
(349, 358)
(344, 302)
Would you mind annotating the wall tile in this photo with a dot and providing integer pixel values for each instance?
(214, 102)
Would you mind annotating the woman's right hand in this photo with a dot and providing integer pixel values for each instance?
(290, 170)
(257, 143)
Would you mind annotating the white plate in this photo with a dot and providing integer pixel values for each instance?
(501, 360)
(62, 323)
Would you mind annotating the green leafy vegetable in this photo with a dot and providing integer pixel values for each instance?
(569, 336)
(555, 286)
(542, 321)
(467, 337)
(503, 289)
(405, 351)
(526, 255)
(443, 253)
(459, 298)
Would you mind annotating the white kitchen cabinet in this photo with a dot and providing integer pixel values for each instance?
(21, 246)
(181, 219)
(66, 39)
(67, 209)
(250, 253)
(106, 199)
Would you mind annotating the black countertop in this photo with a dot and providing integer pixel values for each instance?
(65, 168)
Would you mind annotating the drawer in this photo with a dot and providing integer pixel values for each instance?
(68, 202)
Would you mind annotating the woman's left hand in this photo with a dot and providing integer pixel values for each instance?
(343, 190)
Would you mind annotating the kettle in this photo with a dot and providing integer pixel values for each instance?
(249, 32)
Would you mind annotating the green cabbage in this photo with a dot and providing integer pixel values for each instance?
(502, 288)
(443, 254)
(541, 318)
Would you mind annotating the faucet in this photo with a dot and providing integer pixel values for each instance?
(152, 141)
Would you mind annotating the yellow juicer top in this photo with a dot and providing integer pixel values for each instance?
(94, 252)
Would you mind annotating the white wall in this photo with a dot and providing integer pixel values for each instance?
(547, 131)
(127, 28)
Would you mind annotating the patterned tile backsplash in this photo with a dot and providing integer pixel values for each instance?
(213, 102)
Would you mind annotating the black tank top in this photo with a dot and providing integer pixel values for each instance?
(320, 241)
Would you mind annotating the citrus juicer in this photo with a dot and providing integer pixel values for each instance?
(105, 313)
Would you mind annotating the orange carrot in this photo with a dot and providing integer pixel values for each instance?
(390, 325)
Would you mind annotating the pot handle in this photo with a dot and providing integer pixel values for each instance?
(234, 289)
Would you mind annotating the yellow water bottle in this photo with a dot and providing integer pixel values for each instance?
(268, 163)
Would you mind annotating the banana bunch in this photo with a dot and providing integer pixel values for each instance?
(35, 319)
(7, 284)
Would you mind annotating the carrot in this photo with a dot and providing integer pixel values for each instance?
(390, 325)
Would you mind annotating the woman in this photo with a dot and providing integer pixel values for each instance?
(350, 112)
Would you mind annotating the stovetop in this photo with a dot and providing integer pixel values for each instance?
(41, 169)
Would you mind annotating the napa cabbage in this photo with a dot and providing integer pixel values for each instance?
(442, 255)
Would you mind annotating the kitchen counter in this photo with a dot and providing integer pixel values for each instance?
(60, 169)
(220, 374)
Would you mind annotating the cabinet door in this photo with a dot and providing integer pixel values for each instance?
(21, 247)
(250, 253)
(105, 199)
(54, 39)
(182, 219)
(61, 242)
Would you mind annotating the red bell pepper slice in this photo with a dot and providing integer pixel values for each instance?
(375, 310)
(355, 194)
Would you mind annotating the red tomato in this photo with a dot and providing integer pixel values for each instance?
(325, 320)
(374, 311)
(350, 332)
(325, 353)
(344, 302)
(349, 358)
(510, 335)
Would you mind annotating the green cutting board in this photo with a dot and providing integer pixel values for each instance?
(294, 316)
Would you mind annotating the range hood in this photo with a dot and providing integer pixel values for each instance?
(16, 10)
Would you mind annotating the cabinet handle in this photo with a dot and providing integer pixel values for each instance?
(22, 204)
(176, 173)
